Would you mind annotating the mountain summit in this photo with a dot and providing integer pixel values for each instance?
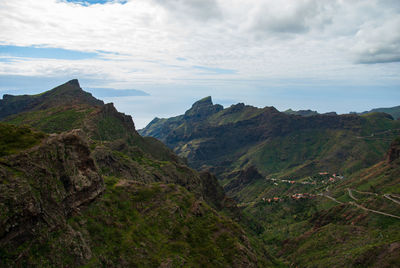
(202, 109)
(68, 94)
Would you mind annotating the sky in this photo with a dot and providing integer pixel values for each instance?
(324, 55)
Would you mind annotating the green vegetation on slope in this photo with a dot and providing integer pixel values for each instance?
(278, 144)
(52, 120)
(134, 222)
(159, 224)
(393, 111)
(14, 139)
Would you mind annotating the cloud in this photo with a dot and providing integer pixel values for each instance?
(197, 9)
(209, 70)
(145, 42)
(289, 17)
(380, 44)
(94, 2)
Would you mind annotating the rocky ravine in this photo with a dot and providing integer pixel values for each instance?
(40, 188)
(57, 211)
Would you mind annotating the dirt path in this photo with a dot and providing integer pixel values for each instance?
(364, 192)
(387, 196)
(331, 198)
(373, 211)
(362, 207)
(351, 194)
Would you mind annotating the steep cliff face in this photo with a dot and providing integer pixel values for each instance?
(394, 151)
(39, 189)
(56, 210)
(242, 179)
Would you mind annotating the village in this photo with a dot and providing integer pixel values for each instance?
(323, 177)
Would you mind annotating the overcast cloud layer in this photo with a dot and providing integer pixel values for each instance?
(220, 47)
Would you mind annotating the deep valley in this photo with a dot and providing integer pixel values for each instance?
(215, 187)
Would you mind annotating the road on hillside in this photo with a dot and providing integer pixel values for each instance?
(362, 207)
(351, 194)
(331, 198)
(387, 196)
(374, 211)
(364, 192)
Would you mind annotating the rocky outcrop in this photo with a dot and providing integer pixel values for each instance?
(202, 109)
(213, 192)
(40, 188)
(110, 110)
(242, 179)
(394, 151)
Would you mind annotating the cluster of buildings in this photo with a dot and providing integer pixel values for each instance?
(302, 196)
(334, 178)
(270, 200)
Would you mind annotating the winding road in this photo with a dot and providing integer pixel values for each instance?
(351, 194)
(374, 211)
(387, 196)
(362, 207)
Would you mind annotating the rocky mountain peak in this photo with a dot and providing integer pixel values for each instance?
(74, 82)
(203, 108)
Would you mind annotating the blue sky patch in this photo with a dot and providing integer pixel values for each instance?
(44, 52)
(6, 59)
(93, 2)
(210, 70)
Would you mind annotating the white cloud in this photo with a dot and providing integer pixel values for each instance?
(379, 44)
(202, 10)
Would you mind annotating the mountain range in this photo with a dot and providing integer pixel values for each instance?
(232, 187)
(225, 141)
(322, 185)
(79, 186)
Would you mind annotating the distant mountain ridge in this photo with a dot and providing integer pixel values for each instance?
(231, 139)
(68, 94)
(110, 92)
(393, 111)
(301, 112)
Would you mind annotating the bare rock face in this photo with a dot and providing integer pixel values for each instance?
(40, 188)
(394, 151)
(202, 109)
(243, 178)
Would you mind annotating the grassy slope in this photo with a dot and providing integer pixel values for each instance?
(14, 139)
(321, 233)
(393, 111)
(52, 120)
(130, 224)
(159, 224)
